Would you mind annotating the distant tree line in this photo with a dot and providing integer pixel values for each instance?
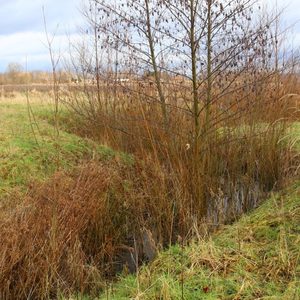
(16, 74)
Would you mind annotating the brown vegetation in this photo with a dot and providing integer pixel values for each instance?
(65, 235)
(72, 233)
(207, 135)
(49, 238)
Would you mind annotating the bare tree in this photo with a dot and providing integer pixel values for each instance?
(131, 28)
(14, 71)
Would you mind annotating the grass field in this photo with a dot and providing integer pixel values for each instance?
(30, 148)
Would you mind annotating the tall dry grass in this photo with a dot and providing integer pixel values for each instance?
(240, 154)
(69, 234)
(72, 233)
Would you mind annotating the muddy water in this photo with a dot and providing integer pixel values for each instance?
(232, 201)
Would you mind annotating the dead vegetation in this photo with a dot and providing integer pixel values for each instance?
(72, 233)
(209, 141)
(68, 234)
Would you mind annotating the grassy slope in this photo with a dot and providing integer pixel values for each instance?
(30, 151)
(256, 258)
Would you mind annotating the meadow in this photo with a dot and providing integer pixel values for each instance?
(157, 158)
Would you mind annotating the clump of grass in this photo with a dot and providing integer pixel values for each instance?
(70, 233)
(66, 122)
(52, 242)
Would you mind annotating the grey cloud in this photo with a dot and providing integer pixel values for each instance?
(24, 15)
(22, 30)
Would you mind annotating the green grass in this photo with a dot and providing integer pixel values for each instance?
(32, 150)
(294, 135)
(255, 258)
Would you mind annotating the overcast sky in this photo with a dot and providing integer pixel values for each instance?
(22, 34)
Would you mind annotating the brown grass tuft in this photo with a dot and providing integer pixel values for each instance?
(49, 241)
(72, 231)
